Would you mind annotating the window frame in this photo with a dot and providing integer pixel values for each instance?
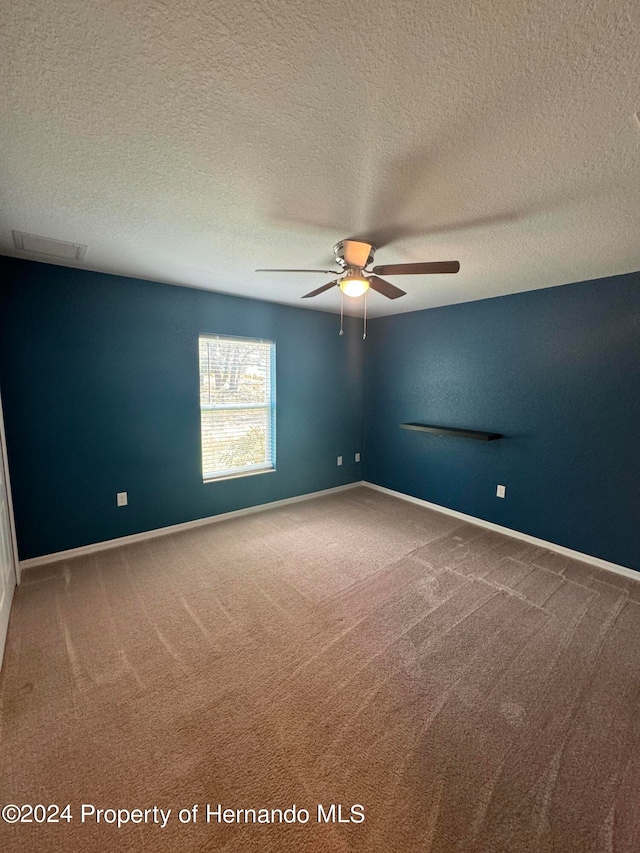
(269, 407)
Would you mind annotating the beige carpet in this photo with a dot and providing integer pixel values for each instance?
(470, 691)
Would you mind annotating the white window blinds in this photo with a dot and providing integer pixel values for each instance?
(237, 406)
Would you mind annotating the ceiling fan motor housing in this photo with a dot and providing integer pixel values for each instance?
(339, 251)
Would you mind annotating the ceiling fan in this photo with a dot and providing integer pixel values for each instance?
(355, 279)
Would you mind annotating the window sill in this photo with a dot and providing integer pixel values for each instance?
(235, 476)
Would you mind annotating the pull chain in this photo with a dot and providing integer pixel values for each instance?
(364, 333)
(341, 310)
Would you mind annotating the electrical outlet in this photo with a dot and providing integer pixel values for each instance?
(339, 460)
(122, 499)
(501, 491)
(357, 457)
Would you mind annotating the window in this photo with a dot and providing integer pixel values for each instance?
(237, 406)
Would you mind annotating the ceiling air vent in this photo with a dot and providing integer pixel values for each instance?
(35, 245)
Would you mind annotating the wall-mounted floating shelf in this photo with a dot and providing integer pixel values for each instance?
(461, 433)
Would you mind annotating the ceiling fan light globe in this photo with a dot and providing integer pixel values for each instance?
(354, 286)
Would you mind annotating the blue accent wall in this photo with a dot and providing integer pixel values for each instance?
(100, 389)
(557, 371)
(99, 382)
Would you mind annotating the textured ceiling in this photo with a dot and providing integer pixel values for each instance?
(193, 141)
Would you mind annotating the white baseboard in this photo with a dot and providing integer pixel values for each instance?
(515, 534)
(5, 613)
(33, 562)
(199, 522)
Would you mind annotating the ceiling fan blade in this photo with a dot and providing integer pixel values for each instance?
(418, 269)
(385, 287)
(324, 272)
(320, 289)
(356, 253)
